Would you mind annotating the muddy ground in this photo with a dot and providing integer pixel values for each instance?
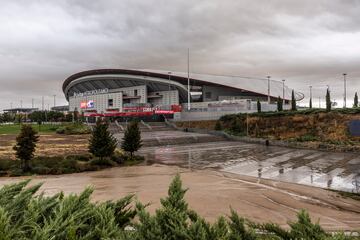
(211, 193)
(49, 145)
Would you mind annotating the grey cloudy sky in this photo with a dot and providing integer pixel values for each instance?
(305, 42)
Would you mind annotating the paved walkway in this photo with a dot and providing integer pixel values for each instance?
(339, 171)
(172, 137)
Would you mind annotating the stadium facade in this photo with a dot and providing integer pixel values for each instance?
(121, 92)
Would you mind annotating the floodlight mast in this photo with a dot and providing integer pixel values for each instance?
(188, 87)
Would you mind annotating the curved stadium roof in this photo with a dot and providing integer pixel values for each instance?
(160, 80)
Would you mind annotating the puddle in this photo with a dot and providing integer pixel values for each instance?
(339, 171)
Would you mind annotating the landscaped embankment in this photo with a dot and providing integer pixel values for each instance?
(316, 127)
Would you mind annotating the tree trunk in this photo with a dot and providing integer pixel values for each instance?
(26, 165)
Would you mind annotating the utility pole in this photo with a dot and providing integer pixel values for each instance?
(268, 77)
(54, 100)
(344, 74)
(283, 81)
(32, 103)
(188, 68)
(169, 88)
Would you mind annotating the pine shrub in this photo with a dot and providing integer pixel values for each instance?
(258, 105)
(102, 143)
(279, 104)
(25, 214)
(293, 101)
(131, 141)
(328, 101)
(25, 146)
(356, 101)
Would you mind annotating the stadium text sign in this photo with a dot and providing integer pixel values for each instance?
(92, 92)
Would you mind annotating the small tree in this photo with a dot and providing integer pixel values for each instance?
(25, 146)
(293, 101)
(356, 101)
(279, 104)
(310, 103)
(132, 138)
(258, 106)
(328, 101)
(102, 143)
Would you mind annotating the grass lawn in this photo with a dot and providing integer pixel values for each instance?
(15, 128)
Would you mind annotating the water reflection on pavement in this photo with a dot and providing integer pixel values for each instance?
(340, 171)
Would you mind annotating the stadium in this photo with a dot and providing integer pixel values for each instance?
(126, 92)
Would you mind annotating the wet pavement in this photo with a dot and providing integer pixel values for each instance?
(172, 137)
(339, 171)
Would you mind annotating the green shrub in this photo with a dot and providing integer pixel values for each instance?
(103, 162)
(24, 214)
(307, 138)
(80, 157)
(74, 129)
(7, 164)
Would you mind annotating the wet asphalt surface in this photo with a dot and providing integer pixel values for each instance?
(339, 171)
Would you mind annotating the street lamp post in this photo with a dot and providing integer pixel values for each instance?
(169, 87)
(188, 82)
(344, 74)
(268, 77)
(283, 85)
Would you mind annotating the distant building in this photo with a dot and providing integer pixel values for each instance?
(20, 110)
(63, 109)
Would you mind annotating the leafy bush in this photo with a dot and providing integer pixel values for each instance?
(74, 129)
(7, 164)
(307, 138)
(27, 215)
(103, 162)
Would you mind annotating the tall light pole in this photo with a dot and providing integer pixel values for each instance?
(188, 66)
(283, 81)
(32, 103)
(344, 74)
(268, 77)
(54, 100)
(169, 88)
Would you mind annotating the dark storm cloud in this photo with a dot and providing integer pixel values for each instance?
(306, 42)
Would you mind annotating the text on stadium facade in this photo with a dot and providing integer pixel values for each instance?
(92, 92)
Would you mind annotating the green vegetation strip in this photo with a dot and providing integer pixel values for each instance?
(66, 128)
(355, 196)
(15, 128)
(27, 215)
(291, 113)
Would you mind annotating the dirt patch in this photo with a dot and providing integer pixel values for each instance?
(48, 145)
